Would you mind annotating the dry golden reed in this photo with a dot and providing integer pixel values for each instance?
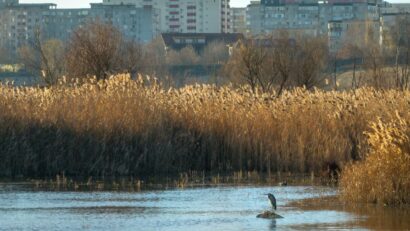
(123, 127)
(384, 175)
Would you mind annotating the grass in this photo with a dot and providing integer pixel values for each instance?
(121, 127)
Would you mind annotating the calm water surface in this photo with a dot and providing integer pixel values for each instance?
(218, 208)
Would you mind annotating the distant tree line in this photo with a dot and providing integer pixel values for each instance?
(379, 64)
(280, 62)
(99, 49)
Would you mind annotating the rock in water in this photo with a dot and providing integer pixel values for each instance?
(269, 215)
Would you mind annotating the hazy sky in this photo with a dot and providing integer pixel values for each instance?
(85, 3)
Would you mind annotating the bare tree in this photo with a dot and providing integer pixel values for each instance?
(94, 50)
(374, 64)
(185, 56)
(173, 57)
(267, 63)
(155, 58)
(215, 53)
(279, 62)
(44, 59)
(311, 61)
(362, 42)
(132, 57)
(188, 56)
(250, 60)
(353, 52)
(284, 54)
(400, 34)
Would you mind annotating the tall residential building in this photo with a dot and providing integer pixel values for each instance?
(18, 22)
(238, 20)
(4, 3)
(392, 16)
(333, 18)
(134, 23)
(186, 16)
(395, 8)
(255, 18)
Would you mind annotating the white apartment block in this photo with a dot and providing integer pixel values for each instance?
(19, 22)
(339, 20)
(395, 8)
(185, 16)
(238, 20)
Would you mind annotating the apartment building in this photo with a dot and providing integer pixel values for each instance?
(4, 3)
(395, 8)
(255, 18)
(391, 19)
(186, 16)
(134, 23)
(266, 17)
(238, 20)
(334, 18)
(20, 21)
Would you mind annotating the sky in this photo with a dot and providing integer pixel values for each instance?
(85, 3)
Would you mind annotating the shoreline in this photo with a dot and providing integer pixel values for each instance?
(62, 183)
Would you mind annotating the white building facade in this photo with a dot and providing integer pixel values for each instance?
(186, 16)
(238, 20)
(337, 19)
(19, 22)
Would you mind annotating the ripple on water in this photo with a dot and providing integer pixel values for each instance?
(219, 208)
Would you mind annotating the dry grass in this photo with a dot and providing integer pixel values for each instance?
(384, 176)
(122, 127)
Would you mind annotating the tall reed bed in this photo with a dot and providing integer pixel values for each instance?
(384, 176)
(123, 127)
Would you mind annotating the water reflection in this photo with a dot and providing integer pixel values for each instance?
(370, 216)
(272, 225)
(219, 208)
(382, 217)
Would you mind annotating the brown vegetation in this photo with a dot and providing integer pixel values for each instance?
(44, 58)
(123, 127)
(279, 63)
(95, 50)
(384, 175)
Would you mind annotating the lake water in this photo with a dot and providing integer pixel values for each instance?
(214, 208)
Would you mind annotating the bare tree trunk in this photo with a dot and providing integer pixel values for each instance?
(335, 73)
(281, 87)
(397, 68)
(47, 74)
(405, 75)
(354, 74)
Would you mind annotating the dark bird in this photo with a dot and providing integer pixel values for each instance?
(272, 200)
